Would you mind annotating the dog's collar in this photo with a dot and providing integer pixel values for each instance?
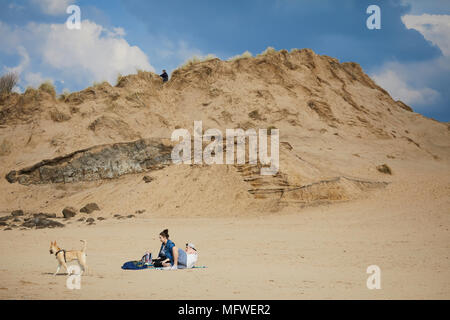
(62, 250)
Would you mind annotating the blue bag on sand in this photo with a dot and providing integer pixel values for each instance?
(135, 265)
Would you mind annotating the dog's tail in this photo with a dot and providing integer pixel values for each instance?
(84, 245)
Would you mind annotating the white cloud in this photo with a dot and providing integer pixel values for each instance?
(80, 57)
(14, 6)
(408, 81)
(24, 63)
(93, 50)
(34, 79)
(421, 6)
(118, 32)
(53, 7)
(393, 79)
(435, 28)
(177, 50)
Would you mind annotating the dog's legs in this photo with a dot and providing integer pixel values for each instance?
(82, 261)
(57, 269)
(85, 268)
(65, 266)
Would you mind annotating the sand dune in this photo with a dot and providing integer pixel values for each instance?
(310, 231)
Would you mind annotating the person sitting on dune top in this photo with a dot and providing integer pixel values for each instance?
(164, 76)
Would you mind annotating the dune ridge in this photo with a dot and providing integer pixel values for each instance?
(336, 126)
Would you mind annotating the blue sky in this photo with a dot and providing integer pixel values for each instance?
(409, 55)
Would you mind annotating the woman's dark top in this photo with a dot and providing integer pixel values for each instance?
(166, 251)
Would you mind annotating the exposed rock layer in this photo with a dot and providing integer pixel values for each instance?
(101, 162)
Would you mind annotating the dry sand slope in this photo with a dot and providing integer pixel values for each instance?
(308, 232)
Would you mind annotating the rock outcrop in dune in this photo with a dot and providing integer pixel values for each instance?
(100, 162)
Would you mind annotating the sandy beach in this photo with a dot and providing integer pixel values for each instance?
(315, 253)
(363, 181)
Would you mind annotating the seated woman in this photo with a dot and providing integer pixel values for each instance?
(167, 252)
(171, 256)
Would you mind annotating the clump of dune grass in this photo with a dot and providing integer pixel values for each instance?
(119, 79)
(143, 72)
(48, 87)
(8, 81)
(58, 116)
(30, 95)
(269, 50)
(97, 84)
(197, 59)
(191, 61)
(145, 75)
(63, 96)
(30, 92)
(245, 55)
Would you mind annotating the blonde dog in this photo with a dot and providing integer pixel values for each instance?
(63, 256)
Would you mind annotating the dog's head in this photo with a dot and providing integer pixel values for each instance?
(53, 247)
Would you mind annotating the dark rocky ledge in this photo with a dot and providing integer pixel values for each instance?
(99, 162)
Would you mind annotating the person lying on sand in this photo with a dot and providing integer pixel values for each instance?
(188, 257)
